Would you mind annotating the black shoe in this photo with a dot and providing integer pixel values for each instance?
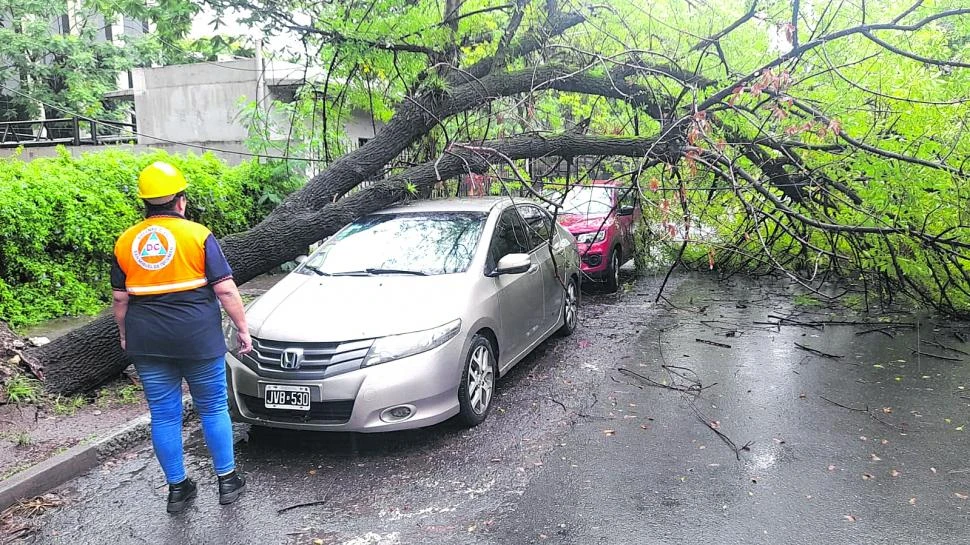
(231, 486)
(179, 495)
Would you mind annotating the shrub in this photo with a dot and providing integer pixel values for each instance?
(60, 216)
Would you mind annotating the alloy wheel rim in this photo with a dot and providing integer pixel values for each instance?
(571, 306)
(616, 268)
(480, 380)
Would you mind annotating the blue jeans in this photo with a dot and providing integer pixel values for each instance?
(162, 380)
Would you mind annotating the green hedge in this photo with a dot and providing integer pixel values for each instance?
(60, 216)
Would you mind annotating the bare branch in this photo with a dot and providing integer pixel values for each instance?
(730, 28)
(799, 51)
(914, 56)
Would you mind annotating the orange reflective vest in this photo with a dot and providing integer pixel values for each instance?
(163, 254)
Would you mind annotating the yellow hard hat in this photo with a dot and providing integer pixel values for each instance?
(160, 179)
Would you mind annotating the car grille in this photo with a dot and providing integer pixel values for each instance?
(321, 412)
(317, 357)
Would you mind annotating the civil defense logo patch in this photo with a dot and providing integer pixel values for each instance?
(153, 248)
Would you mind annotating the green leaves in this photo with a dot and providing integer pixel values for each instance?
(59, 218)
(71, 66)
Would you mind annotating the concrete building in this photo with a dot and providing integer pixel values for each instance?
(191, 107)
(202, 103)
(197, 107)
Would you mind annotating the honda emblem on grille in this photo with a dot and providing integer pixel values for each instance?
(291, 358)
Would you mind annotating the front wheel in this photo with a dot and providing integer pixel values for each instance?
(570, 309)
(613, 271)
(477, 382)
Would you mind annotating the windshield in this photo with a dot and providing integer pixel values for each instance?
(588, 201)
(411, 243)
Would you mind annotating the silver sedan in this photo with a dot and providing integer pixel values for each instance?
(406, 318)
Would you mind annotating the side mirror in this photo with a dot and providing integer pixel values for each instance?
(513, 264)
(300, 259)
(626, 211)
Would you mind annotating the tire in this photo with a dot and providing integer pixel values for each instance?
(477, 382)
(613, 271)
(570, 309)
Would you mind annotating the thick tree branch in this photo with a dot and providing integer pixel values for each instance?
(528, 44)
(338, 38)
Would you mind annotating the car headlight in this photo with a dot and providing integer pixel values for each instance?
(590, 238)
(401, 346)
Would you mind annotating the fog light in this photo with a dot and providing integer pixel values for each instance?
(397, 414)
(593, 259)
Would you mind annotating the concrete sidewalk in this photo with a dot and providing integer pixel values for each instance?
(76, 461)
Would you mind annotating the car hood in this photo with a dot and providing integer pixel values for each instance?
(576, 223)
(304, 308)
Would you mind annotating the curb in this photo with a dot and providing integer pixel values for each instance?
(55, 471)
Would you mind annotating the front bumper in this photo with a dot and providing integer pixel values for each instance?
(427, 383)
(593, 258)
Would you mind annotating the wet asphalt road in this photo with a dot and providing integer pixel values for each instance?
(579, 451)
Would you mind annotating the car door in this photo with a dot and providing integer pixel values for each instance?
(626, 222)
(519, 295)
(539, 223)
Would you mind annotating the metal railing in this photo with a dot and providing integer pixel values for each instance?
(69, 131)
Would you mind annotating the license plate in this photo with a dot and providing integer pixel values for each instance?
(280, 396)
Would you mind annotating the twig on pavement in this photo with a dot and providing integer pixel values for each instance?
(837, 404)
(711, 426)
(945, 347)
(937, 356)
(818, 352)
(787, 321)
(871, 414)
(713, 343)
(885, 330)
(651, 382)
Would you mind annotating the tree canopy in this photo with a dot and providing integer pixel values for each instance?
(59, 57)
(809, 137)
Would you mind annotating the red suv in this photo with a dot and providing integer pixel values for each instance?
(602, 216)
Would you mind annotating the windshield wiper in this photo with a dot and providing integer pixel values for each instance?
(396, 271)
(349, 273)
(316, 270)
(373, 272)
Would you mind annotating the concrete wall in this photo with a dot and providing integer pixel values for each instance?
(360, 126)
(195, 102)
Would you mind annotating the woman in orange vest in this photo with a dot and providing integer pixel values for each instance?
(168, 277)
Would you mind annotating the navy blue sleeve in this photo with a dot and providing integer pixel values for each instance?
(117, 276)
(216, 267)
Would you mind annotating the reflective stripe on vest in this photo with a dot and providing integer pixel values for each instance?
(163, 254)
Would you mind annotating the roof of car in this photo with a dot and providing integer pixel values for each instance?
(475, 204)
